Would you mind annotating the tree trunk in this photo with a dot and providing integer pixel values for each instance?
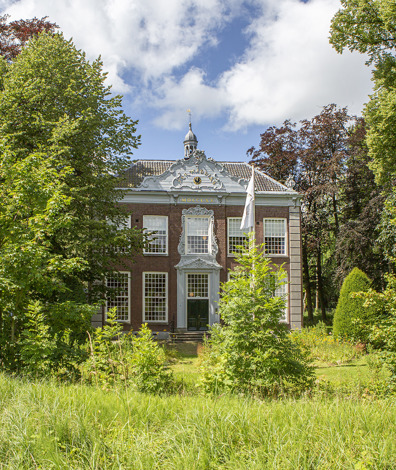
(320, 284)
(307, 283)
(335, 210)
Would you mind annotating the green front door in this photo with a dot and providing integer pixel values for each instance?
(197, 314)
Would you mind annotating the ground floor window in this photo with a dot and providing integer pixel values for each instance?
(118, 294)
(155, 297)
(282, 291)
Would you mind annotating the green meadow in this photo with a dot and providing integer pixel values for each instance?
(341, 425)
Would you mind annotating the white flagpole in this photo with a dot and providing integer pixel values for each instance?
(254, 211)
(248, 219)
(248, 222)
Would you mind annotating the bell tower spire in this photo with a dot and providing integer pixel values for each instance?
(190, 141)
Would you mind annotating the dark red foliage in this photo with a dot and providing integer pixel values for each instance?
(278, 153)
(14, 35)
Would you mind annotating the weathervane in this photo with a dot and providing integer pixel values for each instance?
(189, 114)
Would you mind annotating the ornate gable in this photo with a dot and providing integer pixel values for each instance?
(196, 173)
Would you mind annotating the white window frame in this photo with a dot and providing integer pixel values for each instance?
(144, 297)
(129, 297)
(208, 218)
(230, 253)
(145, 217)
(280, 291)
(276, 255)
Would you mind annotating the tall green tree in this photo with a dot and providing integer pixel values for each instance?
(366, 26)
(64, 139)
(369, 27)
(314, 154)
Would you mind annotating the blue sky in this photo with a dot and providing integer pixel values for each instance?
(239, 65)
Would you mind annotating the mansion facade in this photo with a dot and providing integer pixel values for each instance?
(195, 206)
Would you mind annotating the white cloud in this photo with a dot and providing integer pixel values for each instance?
(151, 36)
(174, 97)
(289, 70)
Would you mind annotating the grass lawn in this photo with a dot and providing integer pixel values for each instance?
(356, 371)
(47, 425)
(50, 426)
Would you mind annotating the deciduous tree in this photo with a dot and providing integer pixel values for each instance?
(64, 140)
(314, 155)
(369, 26)
(15, 34)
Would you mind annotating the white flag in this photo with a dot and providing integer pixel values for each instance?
(248, 214)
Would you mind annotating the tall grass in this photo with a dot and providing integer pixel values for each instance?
(322, 347)
(51, 426)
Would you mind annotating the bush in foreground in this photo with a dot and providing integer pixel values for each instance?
(51, 340)
(117, 358)
(251, 352)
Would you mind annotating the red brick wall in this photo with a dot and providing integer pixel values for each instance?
(167, 263)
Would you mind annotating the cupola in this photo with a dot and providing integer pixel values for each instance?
(190, 143)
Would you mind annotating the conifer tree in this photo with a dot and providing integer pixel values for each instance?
(352, 319)
(251, 351)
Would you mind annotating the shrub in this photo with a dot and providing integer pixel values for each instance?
(47, 350)
(150, 372)
(252, 351)
(353, 319)
(107, 363)
(117, 358)
(320, 346)
(383, 333)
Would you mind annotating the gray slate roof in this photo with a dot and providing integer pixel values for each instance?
(141, 168)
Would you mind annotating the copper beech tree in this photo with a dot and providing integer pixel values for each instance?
(321, 155)
(15, 34)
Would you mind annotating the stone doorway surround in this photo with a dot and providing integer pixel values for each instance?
(197, 263)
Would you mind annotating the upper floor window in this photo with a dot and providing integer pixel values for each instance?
(275, 236)
(157, 227)
(197, 235)
(123, 223)
(236, 236)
